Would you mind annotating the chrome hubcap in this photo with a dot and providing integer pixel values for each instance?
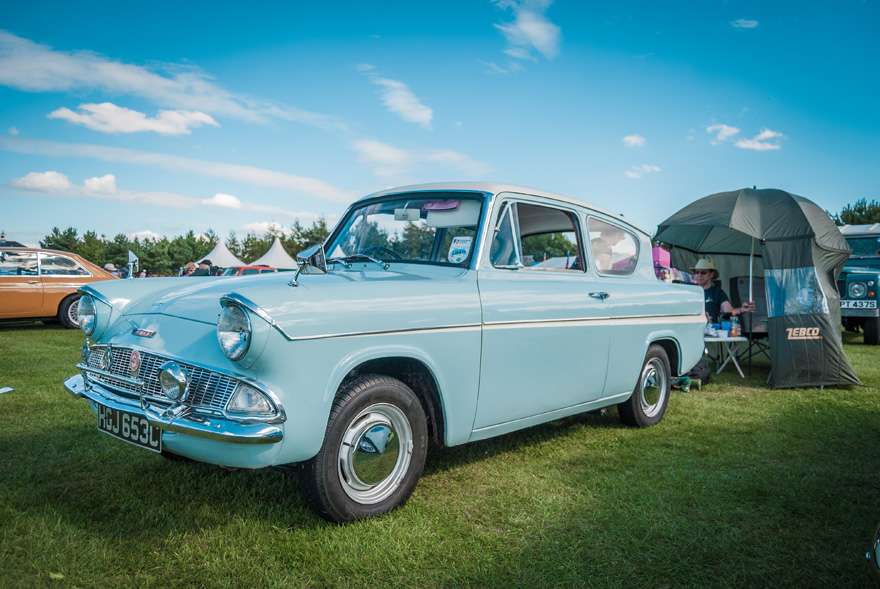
(655, 387)
(375, 453)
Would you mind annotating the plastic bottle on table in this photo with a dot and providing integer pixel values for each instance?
(734, 326)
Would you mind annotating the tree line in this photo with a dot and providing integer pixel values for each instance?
(859, 213)
(165, 257)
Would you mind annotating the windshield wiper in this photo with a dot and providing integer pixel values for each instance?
(345, 259)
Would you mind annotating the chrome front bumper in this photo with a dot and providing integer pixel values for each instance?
(180, 419)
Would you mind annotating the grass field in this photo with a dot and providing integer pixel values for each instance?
(740, 485)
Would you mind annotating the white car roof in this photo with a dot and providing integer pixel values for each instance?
(860, 229)
(494, 188)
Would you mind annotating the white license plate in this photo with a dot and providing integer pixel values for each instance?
(130, 428)
(858, 304)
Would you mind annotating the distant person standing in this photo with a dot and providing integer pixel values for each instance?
(111, 268)
(189, 268)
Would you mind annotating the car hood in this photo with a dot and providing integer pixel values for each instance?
(363, 287)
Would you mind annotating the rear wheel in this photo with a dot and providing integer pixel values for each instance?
(68, 312)
(872, 331)
(651, 395)
(373, 452)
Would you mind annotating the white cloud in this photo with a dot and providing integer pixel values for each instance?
(400, 100)
(530, 30)
(634, 141)
(226, 201)
(13, 131)
(389, 161)
(494, 67)
(744, 24)
(144, 235)
(723, 132)
(760, 142)
(42, 182)
(35, 67)
(109, 118)
(256, 176)
(55, 184)
(639, 171)
(104, 184)
(263, 227)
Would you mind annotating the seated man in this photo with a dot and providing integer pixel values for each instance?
(716, 299)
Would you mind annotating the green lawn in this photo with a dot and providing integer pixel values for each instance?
(740, 485)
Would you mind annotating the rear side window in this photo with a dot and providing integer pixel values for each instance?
(57, 265)
(615, 250)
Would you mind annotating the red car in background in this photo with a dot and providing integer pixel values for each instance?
(247, 270)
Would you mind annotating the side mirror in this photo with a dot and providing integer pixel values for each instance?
(311, 261)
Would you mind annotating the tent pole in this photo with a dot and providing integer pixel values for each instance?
(751, 265)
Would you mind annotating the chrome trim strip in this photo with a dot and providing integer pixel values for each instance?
(463, 327)
(622, 320)
(188, 422)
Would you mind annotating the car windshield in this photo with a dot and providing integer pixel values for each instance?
(864, 246)
(440, 229)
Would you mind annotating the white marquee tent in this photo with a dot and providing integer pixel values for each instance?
(277, 258)
(221, 256)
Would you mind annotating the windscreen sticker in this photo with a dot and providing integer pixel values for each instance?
(460, 248)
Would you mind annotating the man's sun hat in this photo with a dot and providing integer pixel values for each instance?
(704, 264)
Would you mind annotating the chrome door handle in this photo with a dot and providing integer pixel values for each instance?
(33, 282)
(600, 295)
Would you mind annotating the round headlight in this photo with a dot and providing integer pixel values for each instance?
(88, 314)
(857, 290)
(234, 332)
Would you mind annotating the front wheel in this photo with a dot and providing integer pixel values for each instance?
(648, 402)
(68, 312)
(872, 331)
(373, 453)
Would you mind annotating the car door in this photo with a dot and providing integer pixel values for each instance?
(21, 292)
(60, 275)
(545, 346)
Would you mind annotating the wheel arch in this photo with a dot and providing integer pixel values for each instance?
(673, 353)
(415, 373)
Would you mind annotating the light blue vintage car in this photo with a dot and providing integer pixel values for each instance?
(443, 313)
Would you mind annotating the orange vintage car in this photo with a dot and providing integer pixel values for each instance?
(42, 284)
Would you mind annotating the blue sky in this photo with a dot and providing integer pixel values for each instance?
(155, 119)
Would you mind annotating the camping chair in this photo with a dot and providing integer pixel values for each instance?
(754, 325)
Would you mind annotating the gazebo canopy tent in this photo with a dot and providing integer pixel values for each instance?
(799, 251)
(276, 257)
(221, 256)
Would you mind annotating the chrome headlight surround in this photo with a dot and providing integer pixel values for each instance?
(88, 314)
(234, 332)
(857, 290)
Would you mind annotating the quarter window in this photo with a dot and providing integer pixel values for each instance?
(615, 250)
(56, 265)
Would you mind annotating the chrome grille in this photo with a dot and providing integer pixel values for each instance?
(206, 388)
